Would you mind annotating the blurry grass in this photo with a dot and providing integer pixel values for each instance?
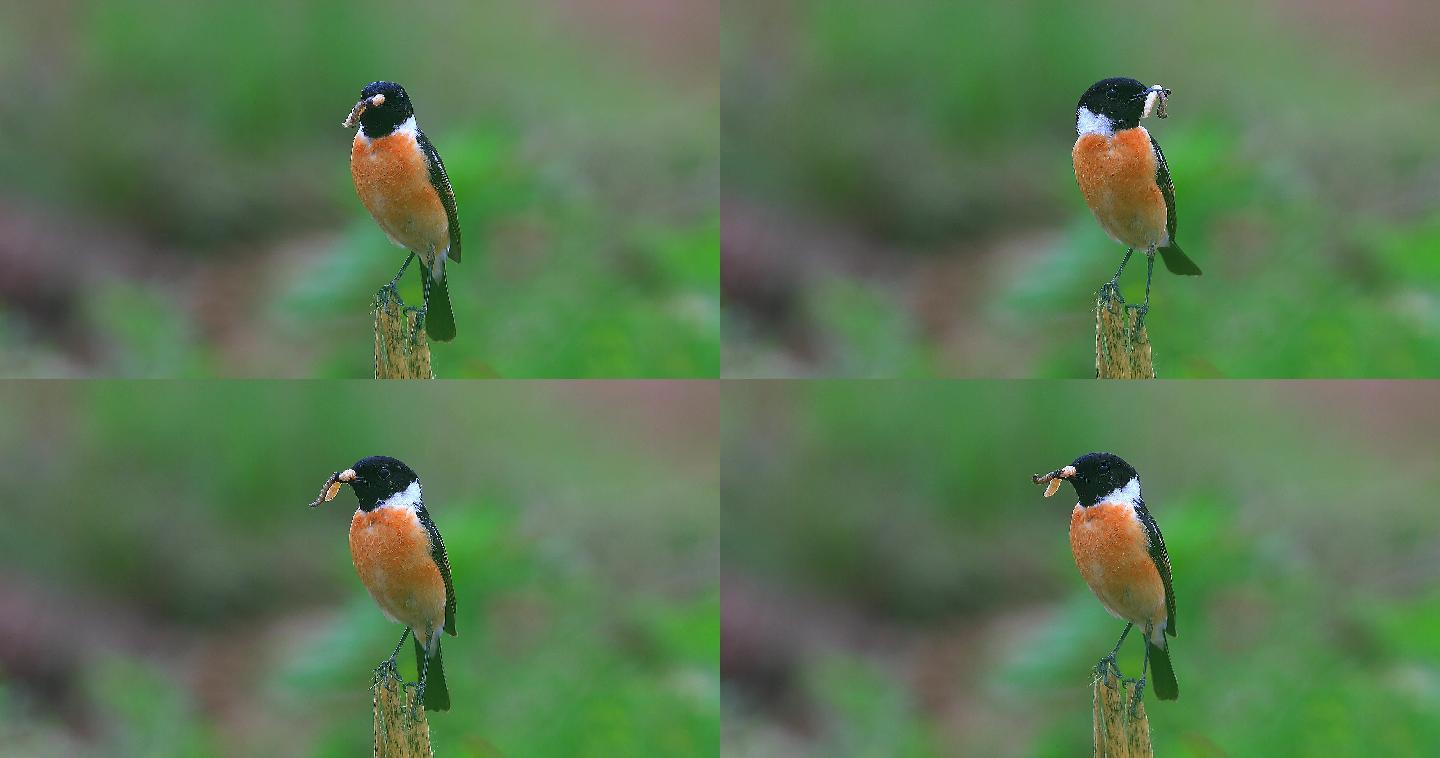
(872, 713)
(146, 713)
(145, 336)
(871, 337)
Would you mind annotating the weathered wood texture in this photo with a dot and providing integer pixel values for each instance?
(401, 350)
(1121, 351)
(1118, 734)
(400, 726)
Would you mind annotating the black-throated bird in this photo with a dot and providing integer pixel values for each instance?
(1123, 175)
(1121, 555)
(401, 560)
(402, 182)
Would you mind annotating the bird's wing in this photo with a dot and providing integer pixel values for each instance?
(442, 561)
(441, 182)
(1167, 188)
(1162, 562)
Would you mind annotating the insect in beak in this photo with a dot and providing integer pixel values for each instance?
(1052, 480)
(1155, 101)
(353, 120)
(332, 485)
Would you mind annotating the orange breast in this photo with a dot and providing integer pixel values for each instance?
(1117, 177)
(393, 181)
(1112, 553)
(391, 551)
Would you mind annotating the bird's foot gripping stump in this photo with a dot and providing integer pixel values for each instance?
(1122, 342)
(400, 725)
(401, 349)
(1121, 728)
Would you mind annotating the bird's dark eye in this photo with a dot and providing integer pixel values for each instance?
(384, 472)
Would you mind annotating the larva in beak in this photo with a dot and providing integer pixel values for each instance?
(332, 486)
(353, 120)
(1155, 102)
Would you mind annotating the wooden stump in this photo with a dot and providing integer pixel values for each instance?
(1121, 350)
(1117, 733)
(400, 725)
(401, 350)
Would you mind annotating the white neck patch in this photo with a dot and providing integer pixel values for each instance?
(1127, 495)
(408, 499)
(1089, 122)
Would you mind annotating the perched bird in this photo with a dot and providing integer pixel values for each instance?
(401, 560)
(1121, 555)
(1123, 176)
(402, 182)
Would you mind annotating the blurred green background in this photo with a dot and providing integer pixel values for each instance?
(895, 585)
(177, 200)
(899, 198)
(164, 590)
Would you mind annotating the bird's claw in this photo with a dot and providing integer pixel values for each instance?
(418, 705)
(1108, 665)
(1141, 311)
(1110, 292)
(419, 320)
(1137, 697)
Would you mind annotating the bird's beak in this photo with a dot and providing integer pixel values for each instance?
(1155, 101)
(353, 120)
(332, 485)
(1052, 480)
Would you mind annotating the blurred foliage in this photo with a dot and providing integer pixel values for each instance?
(195, 153)
(919, 152)
(178, 598)
(929, 605)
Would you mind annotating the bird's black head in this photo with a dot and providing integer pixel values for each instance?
(376, 478)
(1120, 101)
(382, 107)
(1096, 475)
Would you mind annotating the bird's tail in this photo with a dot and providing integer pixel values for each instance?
(439, 319)
(1178, 262)
(437, 695)
(1162, 676)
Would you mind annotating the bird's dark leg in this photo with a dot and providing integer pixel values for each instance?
(1108, 662)
(1111, 290)
(390, 662)
(420, 688)
(392, 286)
(424, 307)
(1140, 685)
(1144, 307)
